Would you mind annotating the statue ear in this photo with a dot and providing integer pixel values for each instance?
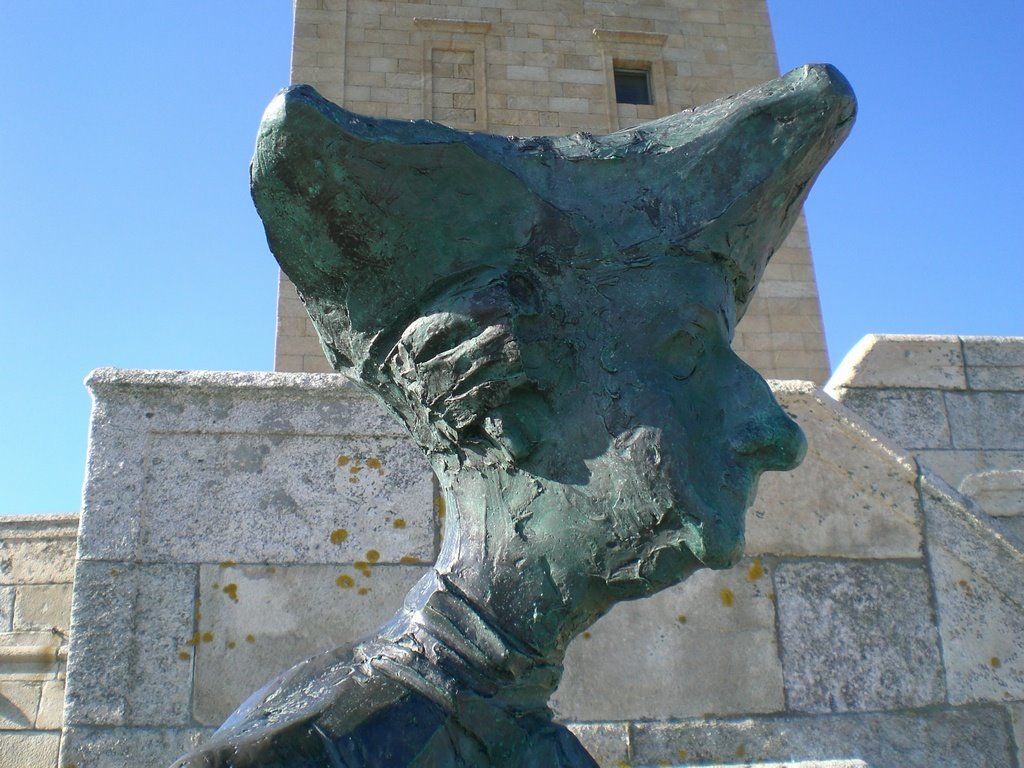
(517, 427)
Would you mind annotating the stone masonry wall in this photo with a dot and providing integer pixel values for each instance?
(236, 523)
(955, 402)
(530, 67)
(37, 557)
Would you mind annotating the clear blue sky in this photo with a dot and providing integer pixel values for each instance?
(127, 237)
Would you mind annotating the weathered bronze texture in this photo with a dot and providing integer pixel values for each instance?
(551, 318)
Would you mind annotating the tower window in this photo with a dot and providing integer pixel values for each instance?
(632, 85)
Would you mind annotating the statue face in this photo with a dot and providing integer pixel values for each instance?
(691, 425)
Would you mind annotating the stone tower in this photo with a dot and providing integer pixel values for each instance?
(535, 67)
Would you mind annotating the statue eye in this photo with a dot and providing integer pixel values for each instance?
(681, 352)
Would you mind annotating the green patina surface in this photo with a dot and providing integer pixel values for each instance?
(551, 318)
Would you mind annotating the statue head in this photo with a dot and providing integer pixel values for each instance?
(551, 317)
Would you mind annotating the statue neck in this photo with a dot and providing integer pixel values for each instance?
(448, 647)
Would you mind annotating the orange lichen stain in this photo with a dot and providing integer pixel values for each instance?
(215, 585)
(207, 637)
(355, 469)
(398, 522)
(228, 564)
(184, 655)
(199, 616)
(231, 590)
(231, 643)
(194, 640)
(728, 598)
(587, 635)
(995, 663)
(439, 506)
(345, 581)
(338, 535)
(114, 572)
(363, 567)
(756, 571)
(681, 618)
(741, 751)
(410, 560)
(250, 639)
(372, 555)
(683, 754)
(965, 587)
(364, 590)
(343, 460)
(374, 463)
(353, 479)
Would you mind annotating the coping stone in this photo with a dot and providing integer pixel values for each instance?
(999, 492)
(128, 624)
(37, 549)
(607, 743)
(279, 499)
(857, 636)
(986, 420)
(898, 361)
(86, 747)
(994, 362)
(967, 737)
(257, 621)
(29, 748)
(213, 452)
(913, 419)
(706, 645)
(853, 495)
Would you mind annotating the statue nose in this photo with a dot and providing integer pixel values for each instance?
(769, 438)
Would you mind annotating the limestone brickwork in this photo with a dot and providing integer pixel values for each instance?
(37, 558)
(532, 67)
(236, 523)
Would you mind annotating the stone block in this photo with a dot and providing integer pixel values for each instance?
(857, 636)
(987, 420)
(256, 621)
(281, 499)
(607, 743)
(51, 706)
(37, 549)
(130, 623)
(912, 418)
(29, 750)
(707, 645)
(999, 492)
(19, 703)
(982, 629)
(952, 738)
(994, 362)
(43, 606)
(896, 361)
(952, 465)
(1017, 715)
(86, 747)
(6, 608)
(851, 497)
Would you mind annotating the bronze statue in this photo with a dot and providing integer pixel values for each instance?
(551, 318)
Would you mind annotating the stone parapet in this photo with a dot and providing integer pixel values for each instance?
(955, 402)
(37, 556)
(876, 620)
